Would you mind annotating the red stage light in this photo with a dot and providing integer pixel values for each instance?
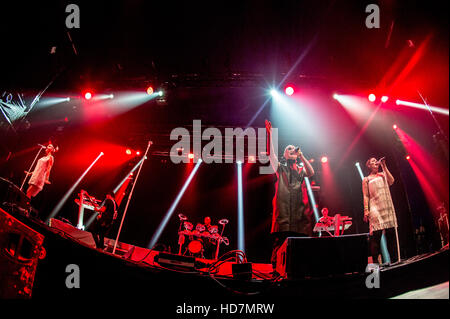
(88, 95)
(384, 98)
(408, 157)
(138, 153)
(191, 156)
(372, 97)
(289, 90)
(324, 159)
(395, 126)
(251, 159)
(128, 151)
(150, 90)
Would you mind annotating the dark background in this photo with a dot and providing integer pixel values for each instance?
(217, 62)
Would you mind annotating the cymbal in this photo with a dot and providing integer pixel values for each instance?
(182, 217)
(223, 221)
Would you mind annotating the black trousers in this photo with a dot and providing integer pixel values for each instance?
(99, 232)
(391, 243)
(278, 240)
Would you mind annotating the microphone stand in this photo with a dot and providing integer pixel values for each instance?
(29, 170)
(129, 198)
(396, 227)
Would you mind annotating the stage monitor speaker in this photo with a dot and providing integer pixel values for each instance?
(75, 233)
(20, 250)
(175, 261)
(12, 198)
(314, 257)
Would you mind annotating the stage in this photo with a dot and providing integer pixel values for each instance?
(137, 274)
(222, 153)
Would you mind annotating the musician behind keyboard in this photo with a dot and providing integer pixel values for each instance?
(325, 219)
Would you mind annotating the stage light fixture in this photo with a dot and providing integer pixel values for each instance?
(289, 90)
(408, 157)
(384, 98)
(273, 92)
(335, 96)
(88, 95)
(191, 156)
(128, 151)
(324, 159)
(372, 97)
(150, 90)
(395, 126)
(138, 153)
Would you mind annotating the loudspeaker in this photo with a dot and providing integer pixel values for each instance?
(75, 233)
(12, 198)
(175, 261)
(314, 257)
(20, 250)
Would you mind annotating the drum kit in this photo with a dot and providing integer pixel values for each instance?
(200, 237)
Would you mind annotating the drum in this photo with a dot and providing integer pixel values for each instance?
(213, 229)
(215, 238)
(195, 247)
(188, 226)
(200, 228)
(206, 234)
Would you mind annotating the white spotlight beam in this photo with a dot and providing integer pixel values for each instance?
(71, 190)
(312, 199)
(358, 166)
(169, 213)
(241, 231)
(435, 109)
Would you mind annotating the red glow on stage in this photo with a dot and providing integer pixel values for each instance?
(372, 97)
(150, 90)
(428, 171)
(324, 159)
(289, 90)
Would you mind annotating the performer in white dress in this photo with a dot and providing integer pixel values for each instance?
(40, 175)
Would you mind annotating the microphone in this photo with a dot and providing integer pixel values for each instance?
(381, 159)
(43, 146)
